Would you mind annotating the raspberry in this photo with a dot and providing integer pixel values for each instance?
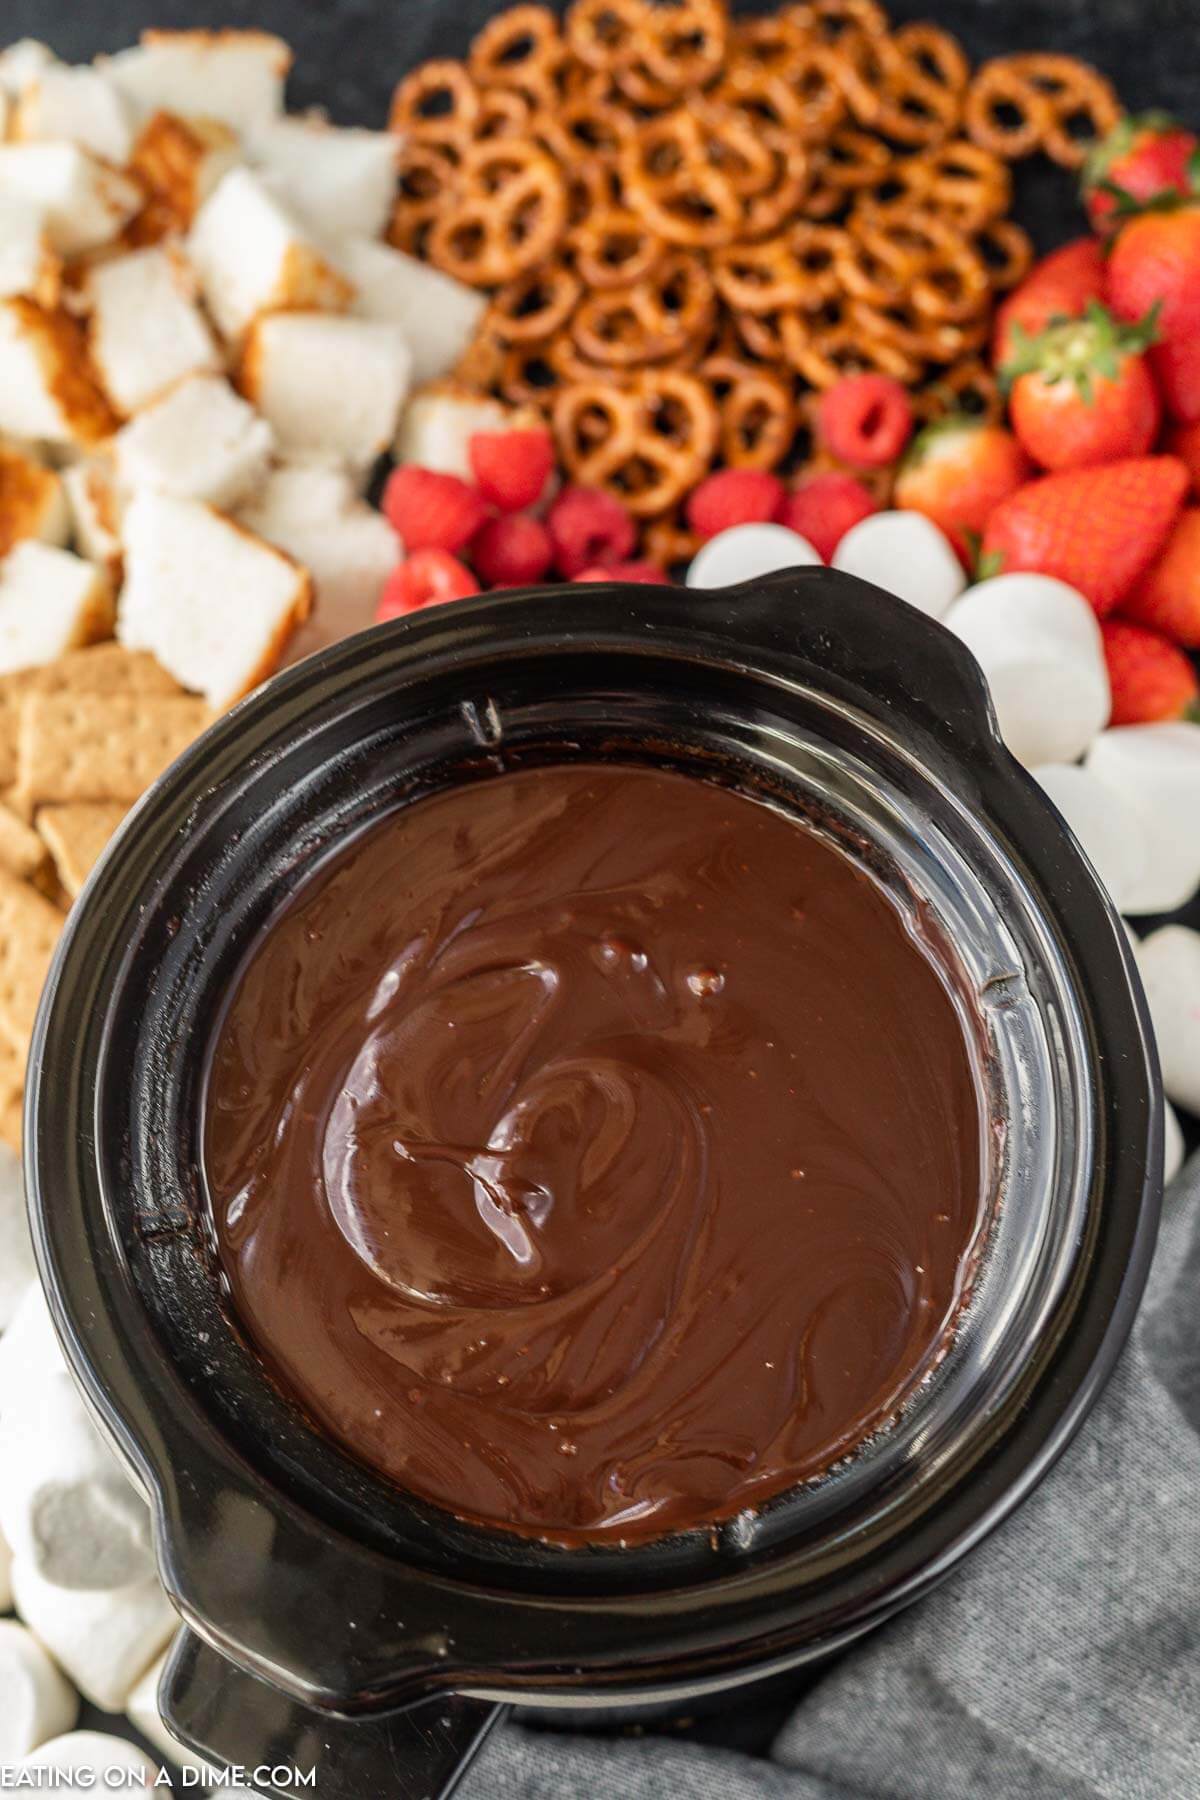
(431, 511)
(589, 529)
(512, 551)
(638, 572)
(733, 497)
(512, 467)
(429, 576)
(865, 420)
(823, 508)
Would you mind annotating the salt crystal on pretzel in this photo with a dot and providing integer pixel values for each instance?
(85, 202)
(50, 601)
(146, 330)
(79, 105)
(235, 76)
(199, 441)
(252, 256)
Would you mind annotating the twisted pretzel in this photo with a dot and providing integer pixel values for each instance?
(509, 213)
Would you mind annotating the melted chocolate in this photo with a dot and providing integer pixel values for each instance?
(595, 1151)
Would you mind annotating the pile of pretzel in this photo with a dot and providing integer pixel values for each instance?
(692, 224)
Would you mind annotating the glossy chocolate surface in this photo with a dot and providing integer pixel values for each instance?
(596, 1151)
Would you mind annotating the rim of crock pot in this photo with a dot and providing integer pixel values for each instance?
(745, 1620)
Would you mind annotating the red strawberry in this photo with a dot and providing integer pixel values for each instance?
(865, 420)
(1059, 287)
(1184, 442)
(1168, 595)
(512, 467)
(1096, 529)
(1143, 156)
(513, 551)
(431, 511)
(588, 527)
(1156, 260)
(1150, 677)
(824, 507)
(642, 574)
(427, 577)
(733, 497)
(1081, 392)
(957, 472)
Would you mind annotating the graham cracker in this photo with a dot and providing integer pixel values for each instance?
(22, 851)
(107, 668)
(12, 1096)
(29, 928)
(75, 834)
(88, 746)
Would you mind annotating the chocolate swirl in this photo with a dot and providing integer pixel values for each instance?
(595, 1151)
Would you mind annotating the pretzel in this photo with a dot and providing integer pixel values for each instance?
(854, 159)
(1006, 251)
(614, 247)
(670, 177)
(1078, 94)
(427, 177)
(1004, 113)
(824, 356)
(683, 42)
(967, 182)
(648, 321)
(968, 386)
(503, 112)
(646, 443)
(438, 104)
(757, 413)
(775, 45)
(508, 214)
(604, 34)
(834, 21)
(669, 541)
(518, 48)
(534, 307)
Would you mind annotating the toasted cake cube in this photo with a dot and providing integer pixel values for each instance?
(349, 549)
(85, 203)
(22, 63)
(95, 506)
(79, 106)
(147, 332)
(28, 265)
(331, 387)
(50, 601)
(341, 183)
(437, 427)
(438, 315)
(75, 833)
(32, 501)
(48, 388)
(201, 441)
(215, 604)
(180, 161)
(252, 256)
(234, 76)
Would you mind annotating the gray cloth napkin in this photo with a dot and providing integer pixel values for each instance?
(1061, 1662)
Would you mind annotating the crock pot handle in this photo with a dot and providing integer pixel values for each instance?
(235, 1721)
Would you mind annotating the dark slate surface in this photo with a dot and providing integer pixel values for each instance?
(349, 54)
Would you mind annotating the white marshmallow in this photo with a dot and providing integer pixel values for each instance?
(33, 503)
(78, 105)
(1169, 962)
(143, 1712)
(438, 315)
(212, 602)
(66, 1505)
(48, 390)
(51, 601)
(147, 331)
(253, 256)
(37, 1702)
(85, 202)
(6, 1593)
(341, 183)
(436, 429)
(234, 76)
(349, 549)
(22, 63)
(29, 1349)
(1172, 1143)
(1106, 825)
(96, 509)
(905, 554)
(331, 387)
(746, 551)
(17, 1267)
(1156, 768)
(1038, 643)
(201, 441)
(29, 268)
(103, 1641)
(99, 1763)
